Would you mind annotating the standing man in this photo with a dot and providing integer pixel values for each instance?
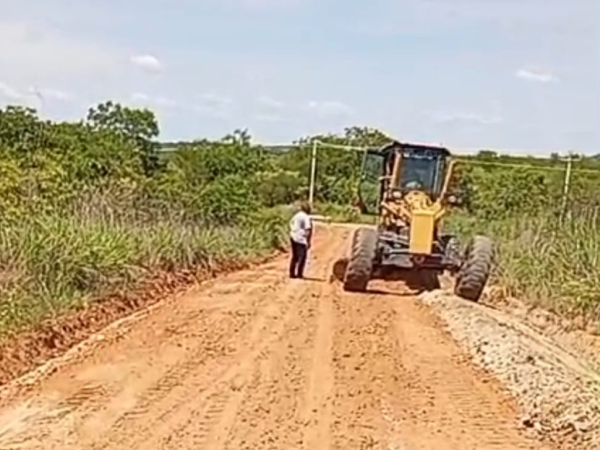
(301, 236)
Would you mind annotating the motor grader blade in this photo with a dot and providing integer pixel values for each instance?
(396, 281)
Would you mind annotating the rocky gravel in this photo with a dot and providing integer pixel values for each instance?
(557, 389)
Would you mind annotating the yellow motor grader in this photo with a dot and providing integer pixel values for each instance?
(413, 200)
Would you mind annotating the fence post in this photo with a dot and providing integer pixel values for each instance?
(313, 173)
(567, 187)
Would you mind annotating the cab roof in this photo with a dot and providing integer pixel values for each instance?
(397, 145)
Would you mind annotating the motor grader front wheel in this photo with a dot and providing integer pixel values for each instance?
(362, 258)
(475, 270)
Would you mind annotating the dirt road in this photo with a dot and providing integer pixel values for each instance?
(256, 361)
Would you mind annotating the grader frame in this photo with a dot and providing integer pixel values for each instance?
(414, 198)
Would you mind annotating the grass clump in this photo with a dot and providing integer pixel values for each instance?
(52, 264)
(547, 261)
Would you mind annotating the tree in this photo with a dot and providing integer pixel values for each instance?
(22, 130)
(137, 125)
(338, 169)
(487, 154)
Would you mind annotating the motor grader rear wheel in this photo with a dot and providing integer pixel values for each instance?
(362, 258)
(475, 271)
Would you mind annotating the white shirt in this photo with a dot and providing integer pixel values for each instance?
(299, 227)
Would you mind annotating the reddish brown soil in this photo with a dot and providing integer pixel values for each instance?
(256, 361)
(24, 351)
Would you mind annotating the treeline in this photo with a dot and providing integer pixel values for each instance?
(111, 157)
(95, 206)
(490, 185)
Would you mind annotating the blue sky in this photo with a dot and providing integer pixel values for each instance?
(517, 75)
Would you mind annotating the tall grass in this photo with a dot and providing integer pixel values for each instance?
(549, 262)
(53, 263)
(343, 213)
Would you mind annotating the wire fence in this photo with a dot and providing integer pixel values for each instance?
(498, 184)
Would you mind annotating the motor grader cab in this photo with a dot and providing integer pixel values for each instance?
(413, 199)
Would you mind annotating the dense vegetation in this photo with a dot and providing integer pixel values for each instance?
(548, 242)
(92, 207)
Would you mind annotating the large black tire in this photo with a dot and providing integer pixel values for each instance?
(362, 258)
(475, 271)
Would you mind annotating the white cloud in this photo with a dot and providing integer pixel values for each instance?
(270, 102)
(269, 110)
(215, 99)
(139, 97)
(210, 111)
(536, 75)
(33, 96)
(28, 50)
(468, 117)
(330, 108)
(9, 93)
(52, 94)
(164, 101)
(269, 118)
(566, 19)
(149, 63)
(214, 105)
(149, 100)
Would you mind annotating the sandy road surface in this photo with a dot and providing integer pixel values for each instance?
(256, 361)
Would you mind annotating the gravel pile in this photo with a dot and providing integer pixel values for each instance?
(558, 392)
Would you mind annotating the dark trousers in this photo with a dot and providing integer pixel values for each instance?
(299, 253)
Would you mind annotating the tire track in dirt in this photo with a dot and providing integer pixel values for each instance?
(437, 399)
(202, 417)
(140, 406)
(278, 390)
(39, 427)
(46, 424)
(401, 384)
(356, 419)
(318, 409)
(193, 382)
(275, 391)
(191, 412)
(210, 427)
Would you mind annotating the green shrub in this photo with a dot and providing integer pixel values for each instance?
(339, 213)
(279, 187)
(227, 200)
(498, 193)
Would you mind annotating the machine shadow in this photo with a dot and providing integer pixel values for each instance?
(416, 282)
